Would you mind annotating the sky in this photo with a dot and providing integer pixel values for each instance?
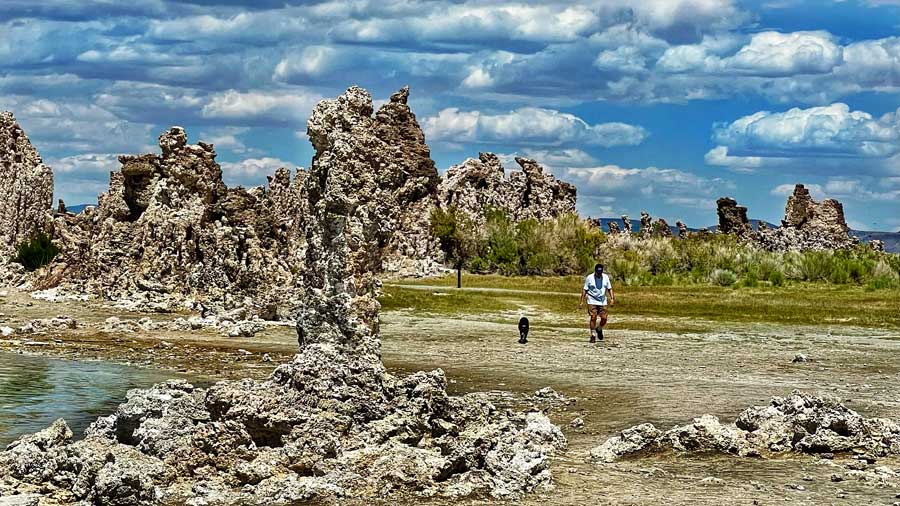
(657, 105)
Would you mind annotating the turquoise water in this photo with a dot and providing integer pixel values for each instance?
(35, 391)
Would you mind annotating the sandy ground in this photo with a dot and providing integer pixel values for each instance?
(632, 377)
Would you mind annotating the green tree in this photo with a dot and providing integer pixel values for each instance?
(457, 236)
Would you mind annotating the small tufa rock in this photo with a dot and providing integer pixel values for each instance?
(626, 224)
(800, 358)
(799, 422)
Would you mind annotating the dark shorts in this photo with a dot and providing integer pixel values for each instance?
(597, 311)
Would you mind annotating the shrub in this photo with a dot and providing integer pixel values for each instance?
(776, 277)
(750, 280)
(479, 265)
(882, 283)
(815, 265)
(624, 270)
(723, 277)
(663, 280)
(839, 274)
(36, 252)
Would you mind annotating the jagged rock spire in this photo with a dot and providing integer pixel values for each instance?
(26, 187)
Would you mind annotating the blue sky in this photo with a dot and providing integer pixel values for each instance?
(661, 105)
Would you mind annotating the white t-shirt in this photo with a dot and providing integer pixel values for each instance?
(596, 292)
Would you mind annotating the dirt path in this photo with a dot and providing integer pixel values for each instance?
(632, 377)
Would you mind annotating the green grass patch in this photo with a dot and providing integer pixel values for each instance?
(797, 303)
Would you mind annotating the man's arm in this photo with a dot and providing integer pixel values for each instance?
(612, 297)
(583, 298)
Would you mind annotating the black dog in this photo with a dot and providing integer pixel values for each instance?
(523, 330)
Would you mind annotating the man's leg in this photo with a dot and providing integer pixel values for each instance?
(603, 317)
(592, 310)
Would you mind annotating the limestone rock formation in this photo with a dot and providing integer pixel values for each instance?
(809, 225)
(661, 228)
(168, 230)
(802, 211)
(646, 225)
(316, 429)
(732, 217)
(26, 188)
(683, 232)
(626, 224)
(386, 170)
(168, 233)
(477, 185)
(613, 227)
(332, 423)
(800, 423)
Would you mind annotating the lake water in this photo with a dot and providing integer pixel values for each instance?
(35, 391)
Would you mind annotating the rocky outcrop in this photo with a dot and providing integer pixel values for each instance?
(683, 232)
(646, 225)
(318, 428)
(732, 217)
(809, 225)
(26, 188)
(798, 423)
(387, 172)
(802, 212)
(661, 228)
(613, 227)
(478, 185)
(626, 224)
(169, 231)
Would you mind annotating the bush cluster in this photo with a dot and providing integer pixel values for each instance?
(723, 260)
(571, 245)
(563, 245)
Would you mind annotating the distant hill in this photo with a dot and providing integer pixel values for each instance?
(891, 239)
(78, 208)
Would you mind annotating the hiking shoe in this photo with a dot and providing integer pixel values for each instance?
(600, 334)
(593, 336)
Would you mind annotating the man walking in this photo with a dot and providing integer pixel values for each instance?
(595, 287)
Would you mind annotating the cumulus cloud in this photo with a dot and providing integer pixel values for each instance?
(285, 108)
(768, 54)
(311, 61)
(555, 160)
(257, 167)
(719, 156)
(73, 127)
(528, 125)
(101, 163)
(832, 130)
